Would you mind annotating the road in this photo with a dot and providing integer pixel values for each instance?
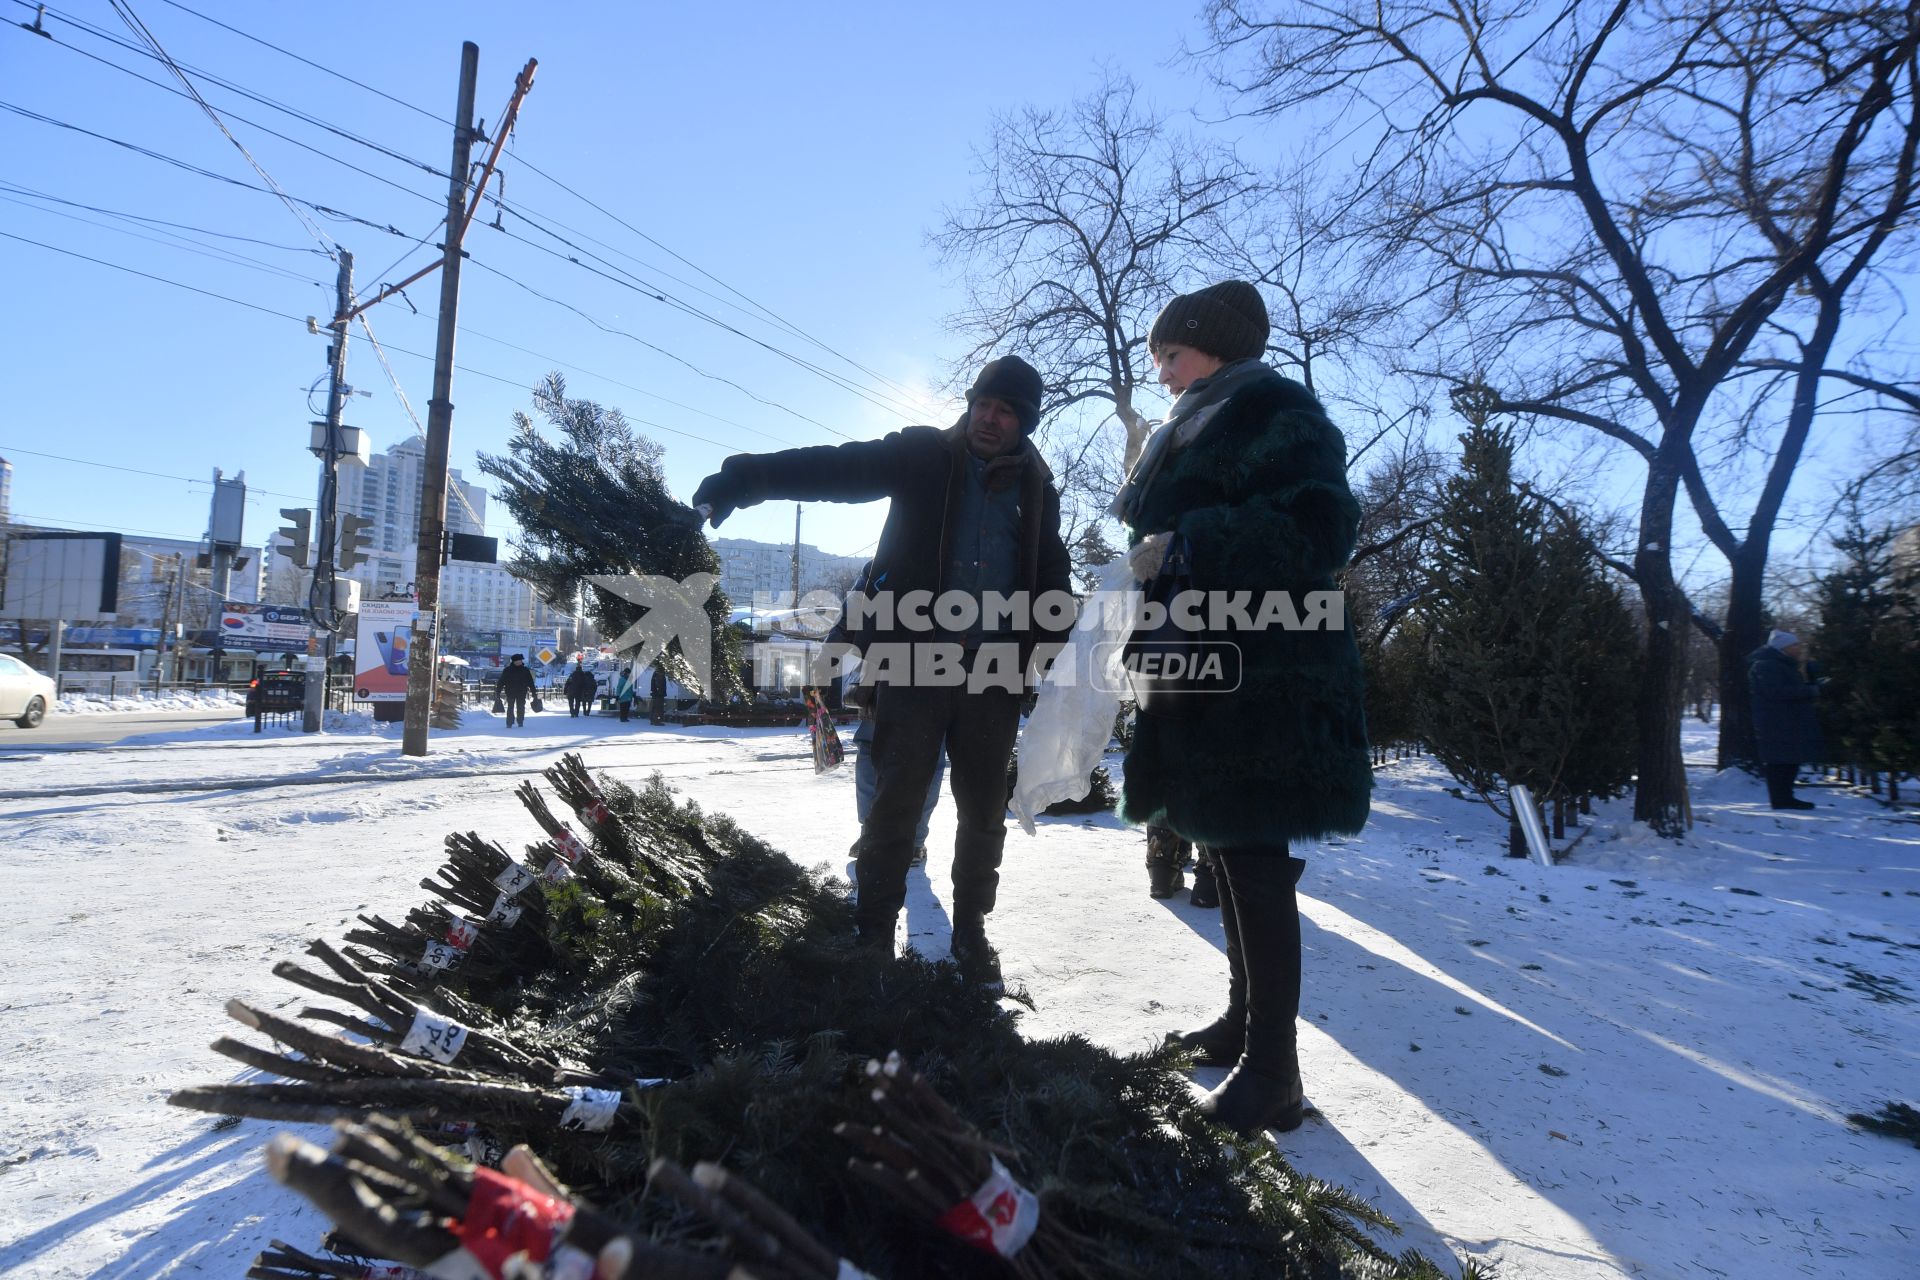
(99, 730)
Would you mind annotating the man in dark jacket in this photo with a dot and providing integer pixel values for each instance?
(515, 686)
(974, 518)
(1786, 731)
(580, 690)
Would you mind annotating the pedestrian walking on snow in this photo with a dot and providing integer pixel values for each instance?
(1786, 729)
(514, 687)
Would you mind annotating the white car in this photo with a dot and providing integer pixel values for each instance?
(25, 695)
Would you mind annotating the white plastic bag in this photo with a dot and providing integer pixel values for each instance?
(1072, 721)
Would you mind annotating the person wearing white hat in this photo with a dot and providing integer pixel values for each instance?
(1786, 731)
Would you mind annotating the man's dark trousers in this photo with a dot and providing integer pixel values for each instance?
(516, 709)
(910, 723)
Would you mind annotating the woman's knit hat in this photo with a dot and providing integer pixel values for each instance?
(1227, 320)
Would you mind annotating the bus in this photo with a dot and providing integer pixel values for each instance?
(105, 672)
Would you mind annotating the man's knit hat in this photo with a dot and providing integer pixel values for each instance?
(1227, 320)
(1782, 640)
(1018, 383)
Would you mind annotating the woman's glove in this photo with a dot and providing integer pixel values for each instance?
(1148, 555)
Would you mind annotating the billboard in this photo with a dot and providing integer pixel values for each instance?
(72, 576)
(382, 645)
(263, 626)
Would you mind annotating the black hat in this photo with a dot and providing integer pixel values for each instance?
(1014, 380)
(1227, 320)
(518, 657)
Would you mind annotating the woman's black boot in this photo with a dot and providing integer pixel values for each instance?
(1263, 1091)
(1218, 1044)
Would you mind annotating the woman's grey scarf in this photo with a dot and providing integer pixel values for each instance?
(1191, 413)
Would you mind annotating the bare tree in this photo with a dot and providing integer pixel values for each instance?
(1083, 221)
(1618, 214)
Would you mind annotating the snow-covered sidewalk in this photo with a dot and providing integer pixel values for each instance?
(1637, 1063)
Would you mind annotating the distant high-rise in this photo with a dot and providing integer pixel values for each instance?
(6, 491)
(387, 491)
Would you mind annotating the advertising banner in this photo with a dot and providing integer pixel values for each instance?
(264, 626)
(382, 644)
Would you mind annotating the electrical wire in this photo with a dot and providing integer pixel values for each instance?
(251, 306)
(141, 217)
(913, 410)
(230, 86)
(111, 466)
(762, 309)
(195, 169)
(522, 384)
(177, 242)
(338, 75)
(618, 332)
(139, 28)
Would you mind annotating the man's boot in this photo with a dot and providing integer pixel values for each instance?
(971, 950)
(1218, 1044)
(1206, 886)
(1263, 1091)
(1164, 879)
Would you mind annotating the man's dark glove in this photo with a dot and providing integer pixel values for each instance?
(717, 494)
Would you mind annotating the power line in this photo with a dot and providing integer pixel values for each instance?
(251, 306)
(231, 86)
(764, 310)
(607, 328)
(656, 292)
(133, 22)
(54, 524)
(141, 217)
(111, 466)
(301, 321)
(309, 62)
(195, 169)
(177, 242)
(647, 289)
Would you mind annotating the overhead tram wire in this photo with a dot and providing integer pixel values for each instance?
(523, 384)
(338, 75)
(681, 360)
(114, 466)
(519, 211)
(250, 122)
(231, 86)
(323, 209)
(766, 311)
(180, 243)
(648, 290)
(133, 22)
(15, 187)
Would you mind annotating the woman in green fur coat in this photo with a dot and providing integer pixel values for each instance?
(1250, 475)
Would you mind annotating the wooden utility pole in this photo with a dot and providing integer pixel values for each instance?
(424, 651)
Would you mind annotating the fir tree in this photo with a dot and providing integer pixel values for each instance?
(596, 502)
(1869, 642)
(1527, 646)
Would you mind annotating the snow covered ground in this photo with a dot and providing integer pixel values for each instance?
(1636, 1063)
(149, 700)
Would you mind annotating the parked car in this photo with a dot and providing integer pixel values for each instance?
(25, 695)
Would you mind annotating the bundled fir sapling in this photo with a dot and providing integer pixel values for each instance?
(706, 1001)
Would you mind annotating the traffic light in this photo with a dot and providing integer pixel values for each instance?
(298, 534)
(355, 540)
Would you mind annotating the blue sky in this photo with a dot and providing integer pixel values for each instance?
(799, 154)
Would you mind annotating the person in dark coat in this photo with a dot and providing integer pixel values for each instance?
(1249, 472)
(580, 687)
(515, 686)
(657, 696)
(973, 513)
(1786, 730)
